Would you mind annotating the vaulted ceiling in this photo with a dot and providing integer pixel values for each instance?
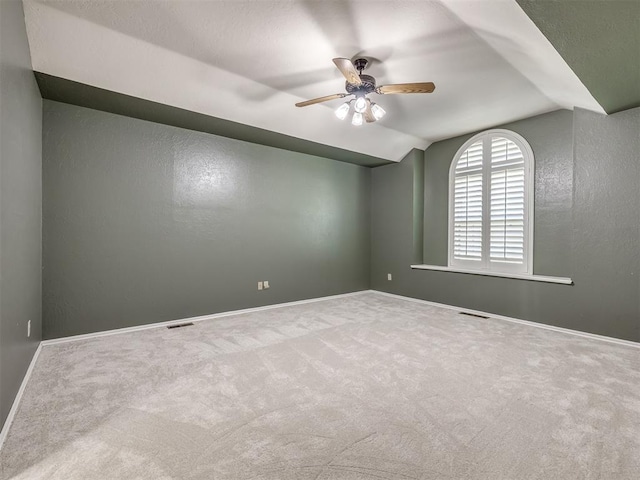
(251, 61)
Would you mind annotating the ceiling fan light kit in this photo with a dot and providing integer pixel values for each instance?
(377, 111)
(360, 105)
(360, 85)
(343, 110)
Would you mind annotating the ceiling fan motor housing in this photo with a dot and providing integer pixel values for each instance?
(367, 86)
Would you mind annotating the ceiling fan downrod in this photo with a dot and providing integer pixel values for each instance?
(360, 64)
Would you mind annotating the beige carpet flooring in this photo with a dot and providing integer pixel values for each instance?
(362, 387)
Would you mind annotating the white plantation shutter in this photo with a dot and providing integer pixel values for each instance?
(467, 215)
(507, 202)
(491, 204)
(471, 158)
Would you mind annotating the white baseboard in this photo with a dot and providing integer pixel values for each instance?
(592, 336)
(118, 331)
(214, 316)
(16, 401)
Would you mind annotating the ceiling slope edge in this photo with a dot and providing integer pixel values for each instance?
(600, 40)
(506, 28)
(143, 71)
(75, 93)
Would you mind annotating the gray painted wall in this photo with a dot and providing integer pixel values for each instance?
(606, 223)
(392, 222)
(587, 227)
(599, 40)
(20, 204)
(145, 222)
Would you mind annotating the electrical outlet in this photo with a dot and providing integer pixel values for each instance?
(259, 285)
(29, 328)
(266, 284)
(389, 277)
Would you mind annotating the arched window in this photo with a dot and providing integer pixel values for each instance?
(491, 204)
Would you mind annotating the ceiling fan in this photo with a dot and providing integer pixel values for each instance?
(360, 85)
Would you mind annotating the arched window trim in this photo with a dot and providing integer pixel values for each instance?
(529, 166)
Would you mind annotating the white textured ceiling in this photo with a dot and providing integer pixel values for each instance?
(250, 61)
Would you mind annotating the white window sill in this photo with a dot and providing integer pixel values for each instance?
(520, 276)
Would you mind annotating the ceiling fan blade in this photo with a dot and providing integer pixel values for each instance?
(320, 99)
(368, 114)
(426, 87)
(348, 70)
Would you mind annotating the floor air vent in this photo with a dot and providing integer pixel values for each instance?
(179, 325)
(472, 315)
